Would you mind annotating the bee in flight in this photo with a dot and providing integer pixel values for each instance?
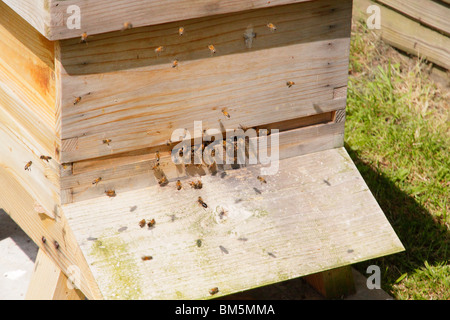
(225, 113)
(106, 141)
(175, 63)
(272, 27)
(159, 50)
(290, 83)
(84, 37)
(96, 181)
(77, 99)
(46, 158)
(181, 31)
(212, 49)
(126, 26)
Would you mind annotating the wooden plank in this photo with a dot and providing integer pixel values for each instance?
(427, 12)
(49, 283)
(98, 18)
(124, 84)
(134, 170)
(34, 12)
(27, 78)
(334, 283)
(20, 205)
(316, 213)
(409, 36)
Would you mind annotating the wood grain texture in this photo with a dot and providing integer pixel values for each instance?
(16, 200)
(315, 214)
(134, 97)
(48, 282)
(430, 13)
(96, 17)
(27, 79)
(410, 36)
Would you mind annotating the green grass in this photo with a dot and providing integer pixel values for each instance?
(397, 133)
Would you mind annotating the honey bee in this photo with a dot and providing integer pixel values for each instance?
(46, 158)
(77, 99)
(110, 193)
(126, 26)
(212, 49)
(84, 37)
(200, 201)
(199, 243)
(142, 223)
(96, 181)
(272, 27)
(56, 244)
(226, 114)
(146, 258)
(43, 239)
(163, 181)
(157, 156)
(151, 223)
(28, 166)
(196, 185)
(159, 50)
(106, 141)
(175, 63)
(179, 185)
(213, 291)
(181, 31)
(262, 179)
(290, 83)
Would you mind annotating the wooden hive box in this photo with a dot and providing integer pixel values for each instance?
(104, 111)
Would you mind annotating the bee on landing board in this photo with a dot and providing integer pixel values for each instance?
(213, 291)
(179, 185)
(175, 63)
(262, 179)
(46, 158)
(146, 258)
(96, 181)
(142, 223)
(202, 203)
(181, 31)
(196, 185)
(272, 27)
(110, 193)
(28, 166)
(151, 223)
(163, 181)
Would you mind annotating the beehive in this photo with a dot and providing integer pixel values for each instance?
(104, 107)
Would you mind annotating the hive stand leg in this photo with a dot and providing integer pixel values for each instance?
(48, 282)
(334, 283)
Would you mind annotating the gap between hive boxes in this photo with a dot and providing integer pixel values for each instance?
(92, 178)
(315, 214)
